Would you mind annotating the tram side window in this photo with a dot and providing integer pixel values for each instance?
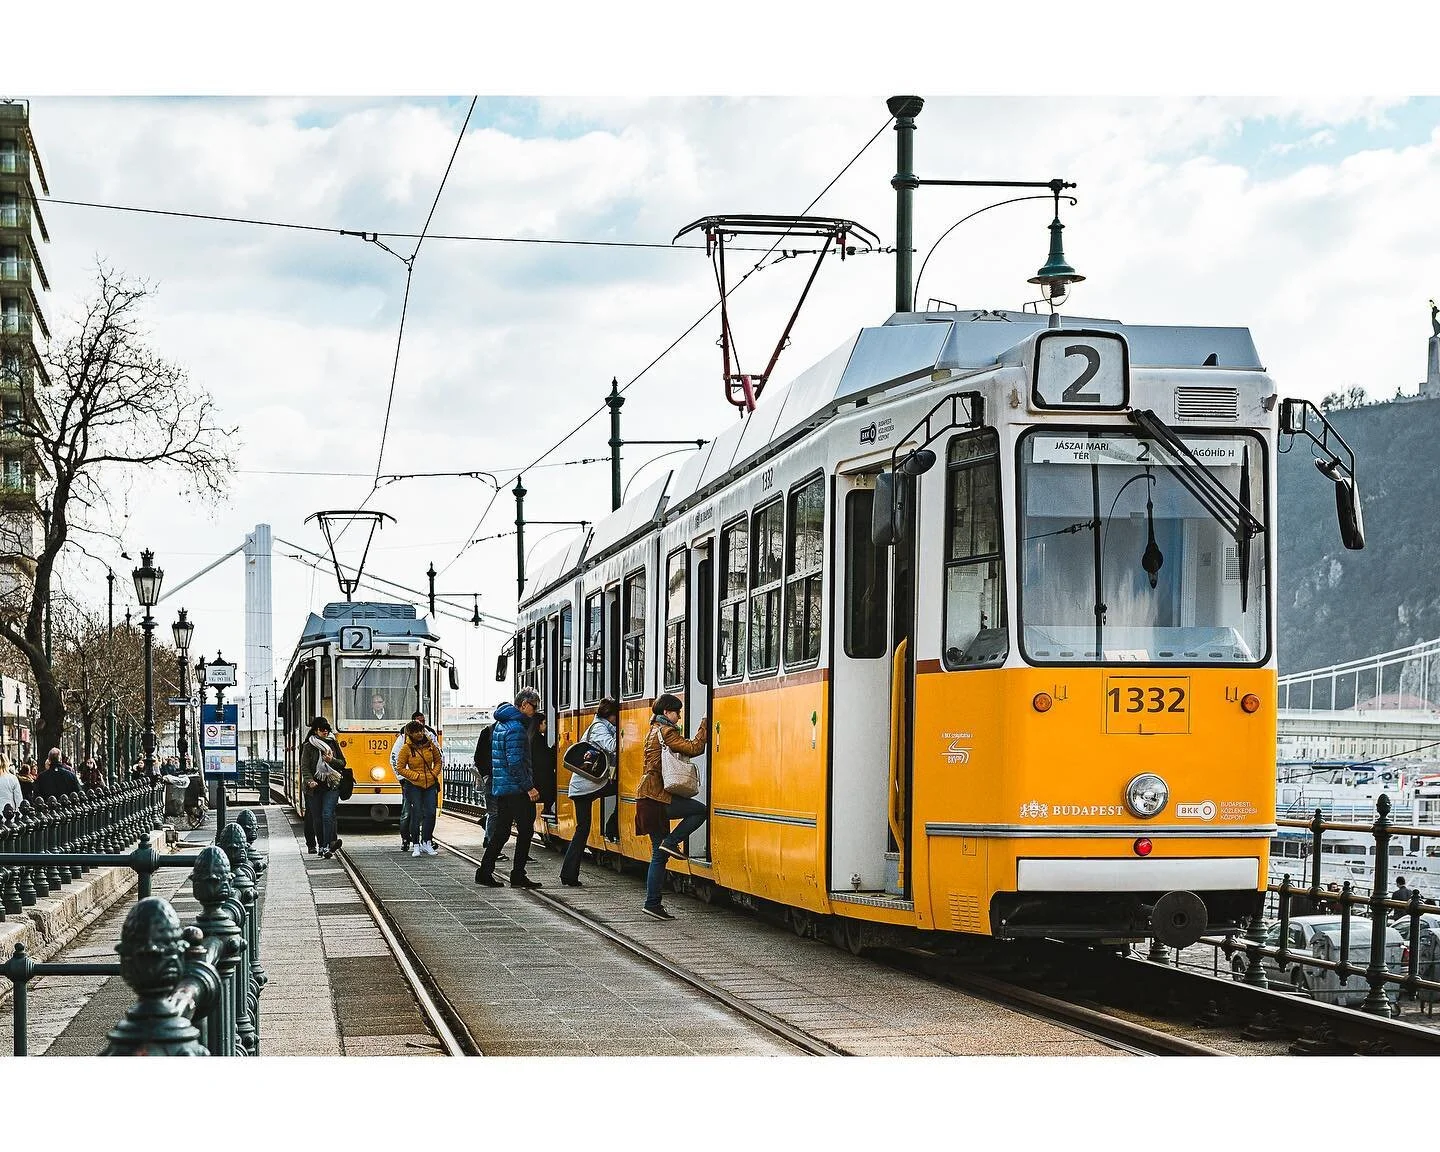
(633, 670)
(538, 678)
(867, 578)
(327, 686)
(734, 568)
(677, 635)
(566, 660)
(767, 543)
(804, 566)
(594, 648)
(975, 624)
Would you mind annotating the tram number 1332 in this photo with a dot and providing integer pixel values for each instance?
(1151, 704)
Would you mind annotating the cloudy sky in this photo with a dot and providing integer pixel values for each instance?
(1309, 219)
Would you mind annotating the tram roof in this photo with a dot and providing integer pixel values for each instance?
(909, 346)
(387, 620)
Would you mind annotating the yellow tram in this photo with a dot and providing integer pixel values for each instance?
(365, 667)
(982, 608)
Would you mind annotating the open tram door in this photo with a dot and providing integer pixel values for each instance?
(699, 664)
(870, 674)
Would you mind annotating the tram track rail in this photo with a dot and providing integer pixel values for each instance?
(449, 1028)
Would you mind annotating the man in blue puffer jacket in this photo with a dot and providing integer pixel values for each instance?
(514, 788)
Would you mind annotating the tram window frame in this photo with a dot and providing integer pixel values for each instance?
(592, 685)
(327, 686)
(566, 670)
(677, 627)
(768, 594)
(995, 556)
(867, 599)
(632, 625)
(806, 658)
(540, 681)
(734, 606)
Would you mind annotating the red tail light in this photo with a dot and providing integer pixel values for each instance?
(1405, 956)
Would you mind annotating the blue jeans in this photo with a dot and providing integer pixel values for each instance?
(327, 802)
(421, 825)
(691, 814)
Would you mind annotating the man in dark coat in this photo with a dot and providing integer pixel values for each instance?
(514, 786)
(56, 779)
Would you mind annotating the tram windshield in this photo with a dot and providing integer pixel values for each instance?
(379, 693)
(1120, 563)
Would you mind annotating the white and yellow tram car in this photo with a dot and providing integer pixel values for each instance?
(367, 668)
(982, 607)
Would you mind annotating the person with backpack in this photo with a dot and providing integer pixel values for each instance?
(655, 807)
(320, 763)
(420, 766)
(514, 788)
(584, 791)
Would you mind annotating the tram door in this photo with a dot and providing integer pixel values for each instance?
(860, 696)
(699, 686)
(610, 630)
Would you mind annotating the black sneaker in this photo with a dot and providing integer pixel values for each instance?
(488, 881)
(672, 850)
(311, 849)
(525, 882)
(335, 847)
(404, 845)
(657, 913)
(571, 883)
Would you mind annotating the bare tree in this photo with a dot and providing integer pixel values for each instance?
(108, 405)
(95, 669)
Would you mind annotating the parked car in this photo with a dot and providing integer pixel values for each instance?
(1319, 936)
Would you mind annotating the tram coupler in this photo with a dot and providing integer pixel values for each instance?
(1179, 919)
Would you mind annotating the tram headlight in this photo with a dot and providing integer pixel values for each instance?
(1146, 795)
(377, 773)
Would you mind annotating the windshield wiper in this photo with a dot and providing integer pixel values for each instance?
(1229, 511)
(356, 686)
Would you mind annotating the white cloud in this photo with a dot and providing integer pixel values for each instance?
(507, 345)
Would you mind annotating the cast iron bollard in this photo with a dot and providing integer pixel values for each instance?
(258, 860)
(242, 907)
(151, 949)
(210, 883)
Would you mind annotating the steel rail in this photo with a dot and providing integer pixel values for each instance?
(801, 1039)
(1114, 1031)
(416, 974)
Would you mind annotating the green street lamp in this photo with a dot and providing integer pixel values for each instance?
(1055, 275)
(182, 630)
(147, 590)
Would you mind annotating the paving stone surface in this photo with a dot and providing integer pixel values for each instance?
(528, 981)
(851, 1002)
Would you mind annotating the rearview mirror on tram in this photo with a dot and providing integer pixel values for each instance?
(454, 678)
(1337, 466)
(501, 665)
(1347, 511)
(887, 514)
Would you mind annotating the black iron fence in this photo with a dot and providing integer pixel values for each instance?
(1297, 940)
(462, 784)
(208, 973)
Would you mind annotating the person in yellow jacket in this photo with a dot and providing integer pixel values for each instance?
(419, 764)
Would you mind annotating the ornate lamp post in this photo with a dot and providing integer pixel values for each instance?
(183, 630)
(147, 590)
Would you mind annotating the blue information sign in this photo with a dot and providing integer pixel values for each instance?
(220, 739)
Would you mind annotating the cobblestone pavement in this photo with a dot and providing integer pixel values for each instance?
(478, 937)
(529, 981)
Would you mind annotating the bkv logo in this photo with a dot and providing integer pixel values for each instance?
(870, 434)
(956, 754)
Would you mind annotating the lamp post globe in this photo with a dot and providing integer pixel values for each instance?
(147, 590)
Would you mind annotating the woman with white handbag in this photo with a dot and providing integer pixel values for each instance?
(667, 792)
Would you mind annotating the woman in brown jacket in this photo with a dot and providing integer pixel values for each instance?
(655, 807)
(419, 764)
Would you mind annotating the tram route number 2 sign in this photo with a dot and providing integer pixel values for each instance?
(1076, 368)
(1149, 705)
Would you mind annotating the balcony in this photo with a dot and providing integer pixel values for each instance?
(15, 324)
(16, 492)
(16, 270)
(14, 216)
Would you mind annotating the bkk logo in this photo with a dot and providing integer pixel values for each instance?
(1205, 810)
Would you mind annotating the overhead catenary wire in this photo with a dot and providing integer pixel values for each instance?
(672, 345)
(368, 234)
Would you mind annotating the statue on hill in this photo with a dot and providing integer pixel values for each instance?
(1435, 317)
